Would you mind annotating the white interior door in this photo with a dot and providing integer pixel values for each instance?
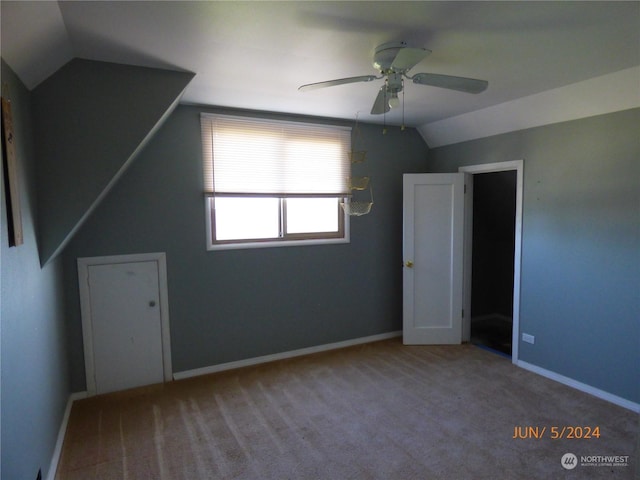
(433, 258)
(124, 325)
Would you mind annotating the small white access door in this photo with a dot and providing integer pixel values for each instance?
(125, 321)
(434, 206)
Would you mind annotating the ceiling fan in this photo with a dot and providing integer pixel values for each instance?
(394, 60)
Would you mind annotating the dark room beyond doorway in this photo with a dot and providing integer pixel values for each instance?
(494, 213)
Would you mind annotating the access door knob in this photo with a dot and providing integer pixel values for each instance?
(409, 264)
(152, 303)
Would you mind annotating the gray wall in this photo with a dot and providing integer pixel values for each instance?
(34, 358)
(231, 305)
(90, 120)
(580, 255)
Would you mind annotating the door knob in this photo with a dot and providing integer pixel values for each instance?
(152, 303)
(409, 264)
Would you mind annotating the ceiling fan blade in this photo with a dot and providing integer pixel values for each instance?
(409, 57)
(339, 81)
(381, 104)
(461, 84)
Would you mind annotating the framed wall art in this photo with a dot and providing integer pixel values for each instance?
(11, 183)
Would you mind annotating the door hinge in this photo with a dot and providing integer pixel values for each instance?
(465, 188)
(463, 313)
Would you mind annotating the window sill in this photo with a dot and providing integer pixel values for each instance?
(278, 243)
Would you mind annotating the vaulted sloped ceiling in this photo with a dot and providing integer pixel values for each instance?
(255, 54)
(91, 119)
(545, 62)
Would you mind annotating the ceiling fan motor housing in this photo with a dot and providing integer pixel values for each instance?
(385, 54)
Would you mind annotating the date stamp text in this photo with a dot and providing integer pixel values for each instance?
(555, 432)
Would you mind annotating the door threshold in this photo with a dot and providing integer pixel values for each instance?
(492, 350)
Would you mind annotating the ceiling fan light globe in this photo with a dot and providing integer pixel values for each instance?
(394, 102)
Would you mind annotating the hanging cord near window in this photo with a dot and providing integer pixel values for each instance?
(352, 205)
(357, 156)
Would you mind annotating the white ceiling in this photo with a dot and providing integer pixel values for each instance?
(255, 54)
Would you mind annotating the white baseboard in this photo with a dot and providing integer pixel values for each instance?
(596, 392)
(57, 451)
(281, 356)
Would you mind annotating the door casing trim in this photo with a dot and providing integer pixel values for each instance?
(518, 166)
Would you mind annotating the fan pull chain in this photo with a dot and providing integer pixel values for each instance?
(384, 110)
(402, 127)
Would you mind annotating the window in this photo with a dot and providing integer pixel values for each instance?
(270, 183)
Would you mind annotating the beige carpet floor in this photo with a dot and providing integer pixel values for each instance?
(376, 411)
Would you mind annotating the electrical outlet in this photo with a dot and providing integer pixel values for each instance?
(528, 338)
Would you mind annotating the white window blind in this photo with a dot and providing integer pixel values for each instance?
(248, 156)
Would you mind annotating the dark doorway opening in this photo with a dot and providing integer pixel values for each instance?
(494, 216)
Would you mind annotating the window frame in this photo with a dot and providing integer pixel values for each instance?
(341, 236)
(298, 239)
